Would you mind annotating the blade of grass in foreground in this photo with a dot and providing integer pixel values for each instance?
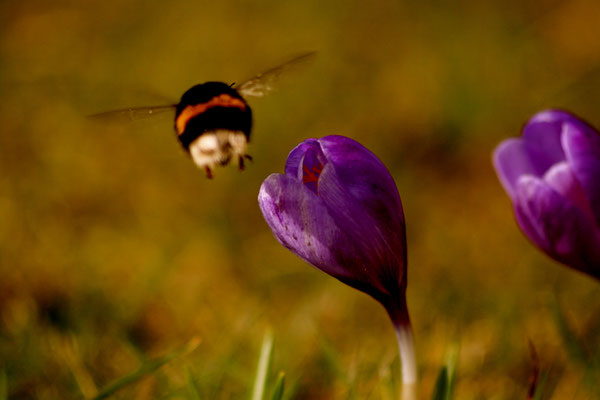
(263, 367)
(278, 387)
(193, 387)
(444, 384)
(145, 369)
(441, 385)
(539, 390)
(451, 361)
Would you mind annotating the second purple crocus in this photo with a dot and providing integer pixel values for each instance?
(552, 175)
(337, 207)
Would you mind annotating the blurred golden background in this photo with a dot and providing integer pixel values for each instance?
(115, 248)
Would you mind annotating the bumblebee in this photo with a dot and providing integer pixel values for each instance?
(213, 121)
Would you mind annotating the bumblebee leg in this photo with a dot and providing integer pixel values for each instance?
(241, 165)
(248, 157)
(209, 174)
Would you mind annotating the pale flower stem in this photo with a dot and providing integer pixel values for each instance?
(408, 360)
(401, 320)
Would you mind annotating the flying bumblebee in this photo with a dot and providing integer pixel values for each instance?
(213, 120)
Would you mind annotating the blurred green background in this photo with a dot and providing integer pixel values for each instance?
(115, 248)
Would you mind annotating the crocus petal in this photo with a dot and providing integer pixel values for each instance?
(511, 160)
(312, 165)
(582, 146)
(557, 226)
(384, 254)
(552, 116)
(302, 224)
(542, 140)
(367, 179)
(293, 165)
(561, 178)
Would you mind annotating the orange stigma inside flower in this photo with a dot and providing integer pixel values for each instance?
(312, 175)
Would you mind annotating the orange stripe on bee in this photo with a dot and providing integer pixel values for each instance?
(223, 100)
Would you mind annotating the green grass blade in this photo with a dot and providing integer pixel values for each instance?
(146, 369)
(193, 387)
(441, 385)
(451, 361)
(444, 384)
(263, 367)
(539, 390)
(279, 387)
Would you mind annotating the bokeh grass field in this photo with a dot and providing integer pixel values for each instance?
(115, 249)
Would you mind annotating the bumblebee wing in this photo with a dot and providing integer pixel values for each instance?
(131, 114)
(265, 82)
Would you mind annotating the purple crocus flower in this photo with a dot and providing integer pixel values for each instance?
(337, 208)
(552, 175)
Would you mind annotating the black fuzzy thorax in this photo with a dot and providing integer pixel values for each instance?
(214, 118)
